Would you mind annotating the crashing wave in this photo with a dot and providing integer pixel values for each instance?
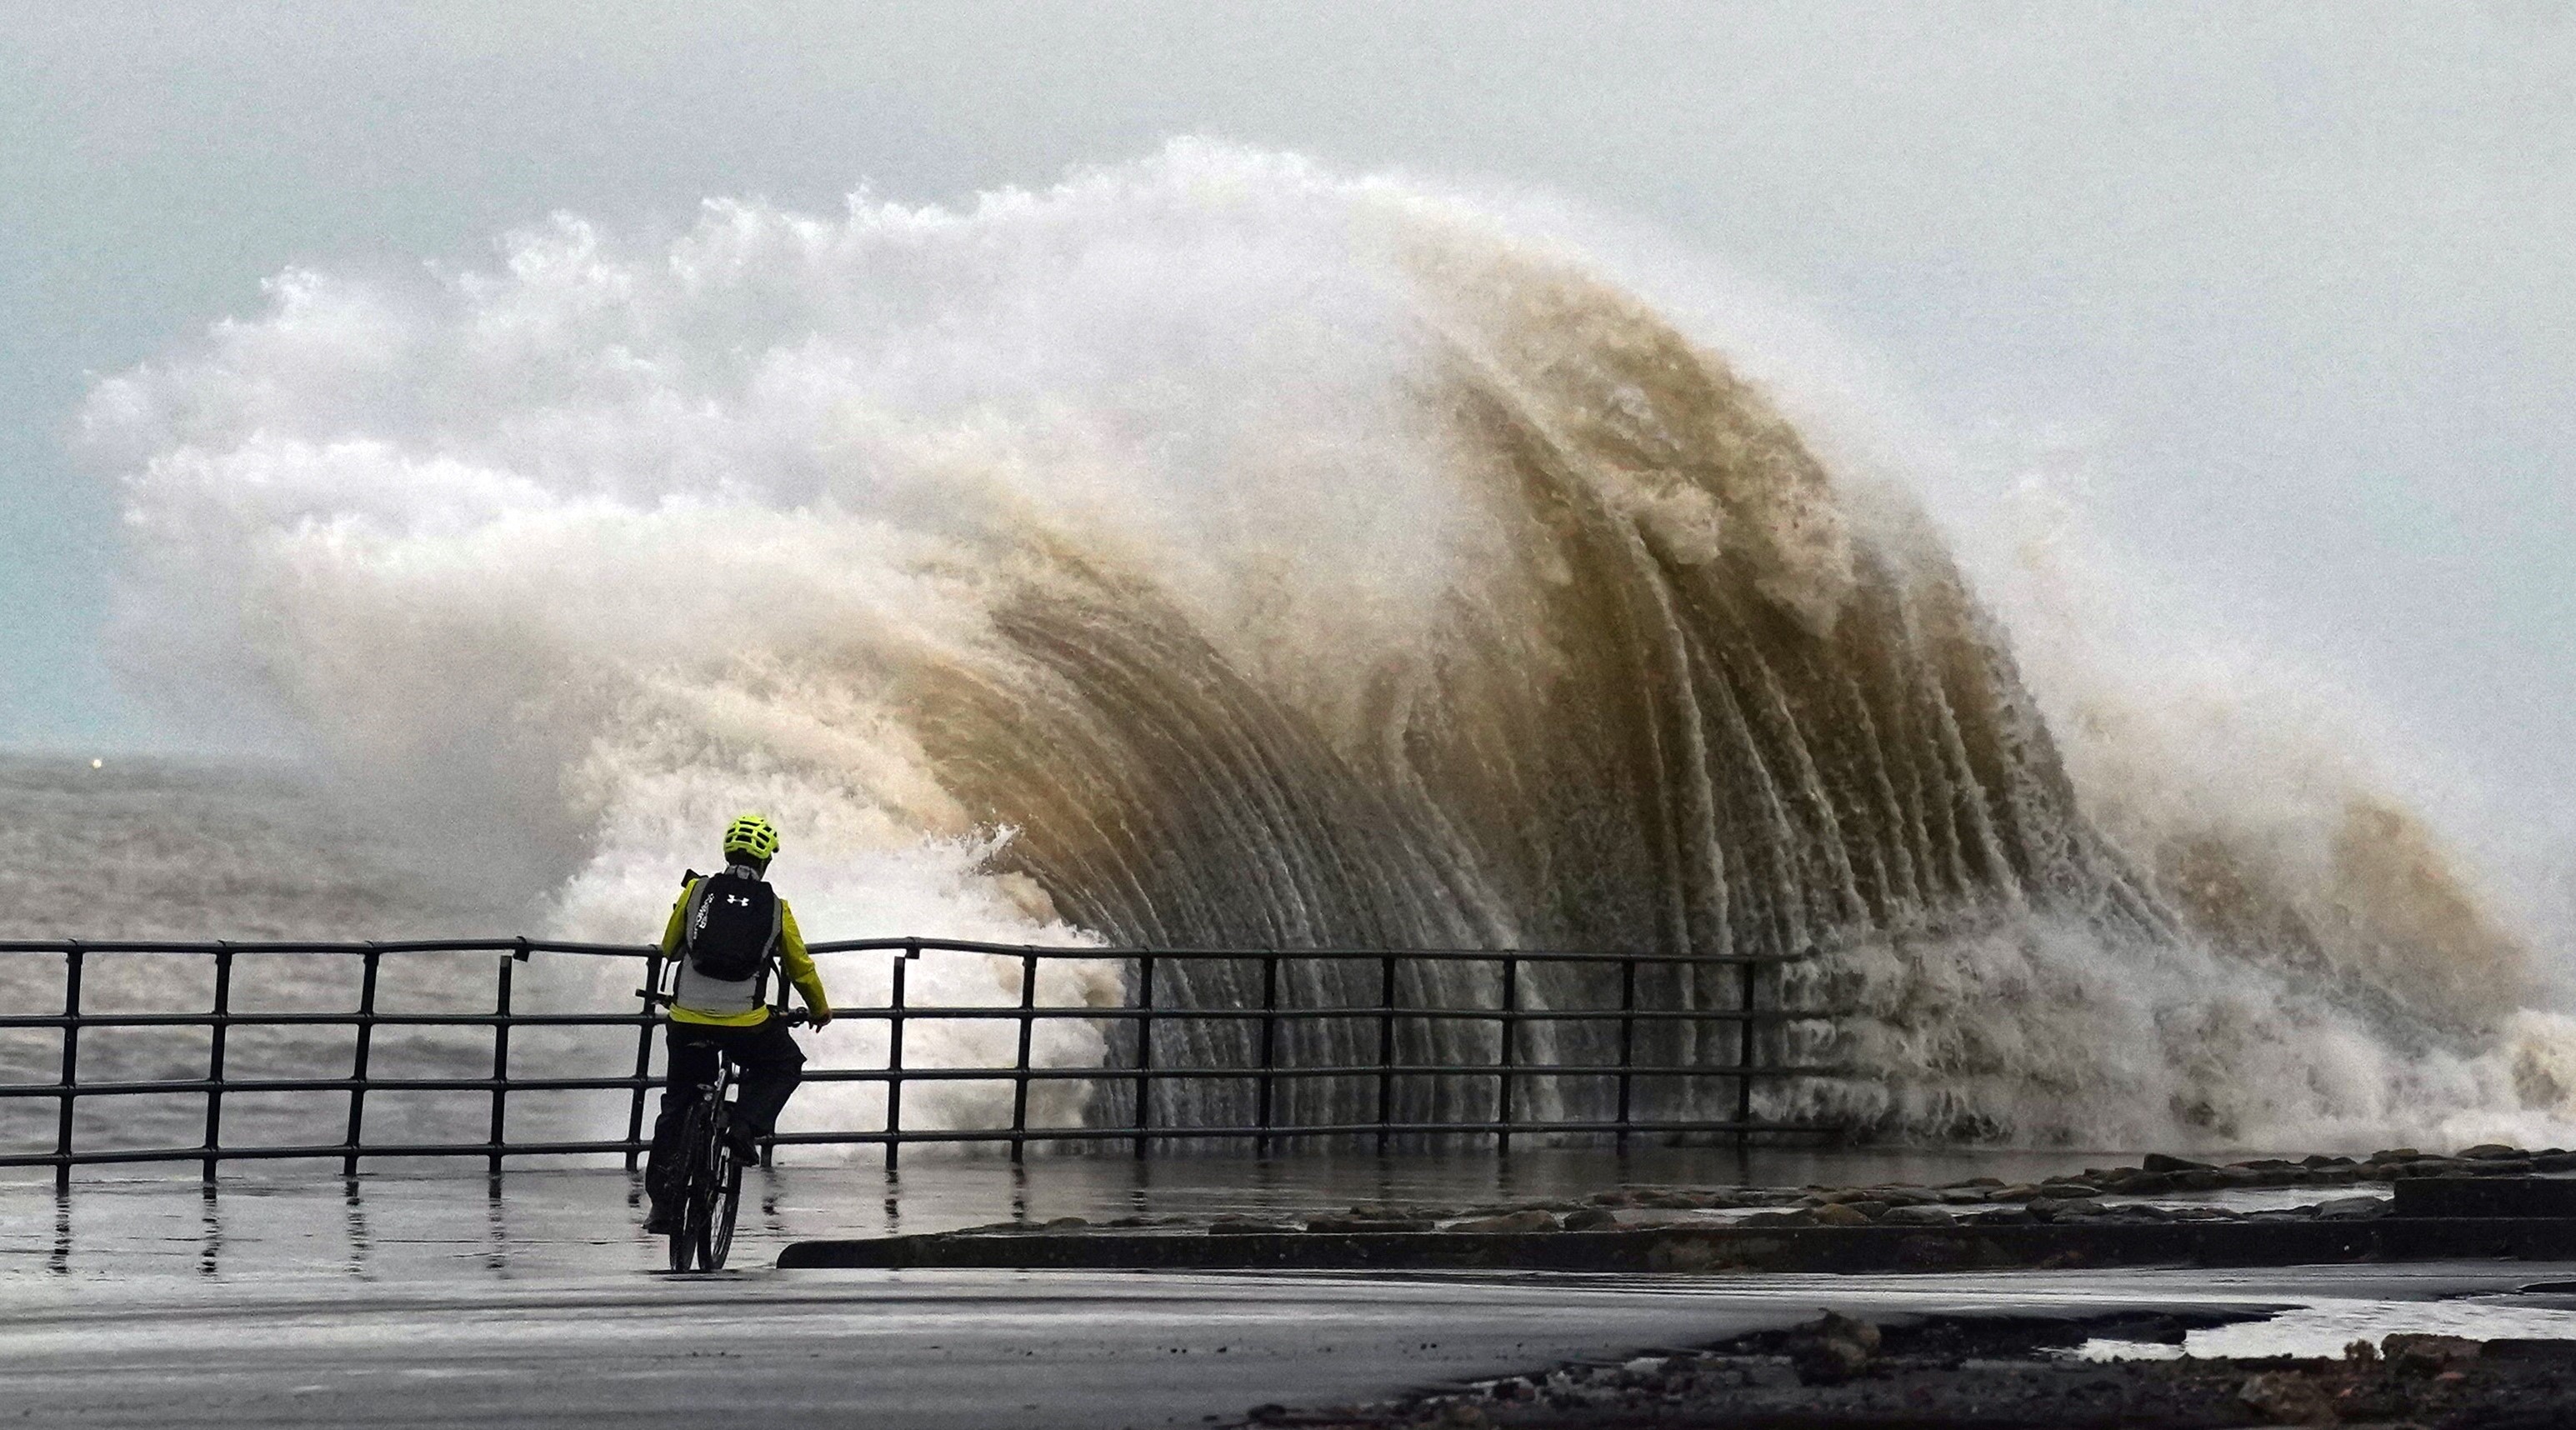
(1215, 550)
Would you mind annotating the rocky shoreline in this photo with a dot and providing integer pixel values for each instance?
(2157, 1212)
(1977, 1201)
(2000, 1373)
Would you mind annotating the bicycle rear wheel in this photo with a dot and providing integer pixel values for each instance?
(709, 1218)
(688, 1230)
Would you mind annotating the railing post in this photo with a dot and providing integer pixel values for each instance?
(1744, 1059)
(358, 1063)
(215, 1060)
(1269, 1050)
(71, 1068)
(1020, 1084)
(1627, 1043)
(1385, 1051)
(501, 1063)
(1510, 1049)
(643, 1060)
(1144, 1051)
(894, 1058)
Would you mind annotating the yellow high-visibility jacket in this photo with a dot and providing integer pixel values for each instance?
(791, 952)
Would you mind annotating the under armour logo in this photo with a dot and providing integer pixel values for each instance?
(736, 899)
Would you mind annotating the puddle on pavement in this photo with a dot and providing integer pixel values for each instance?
(2327, 1325)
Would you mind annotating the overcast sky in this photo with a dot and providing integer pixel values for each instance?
(2299, 279)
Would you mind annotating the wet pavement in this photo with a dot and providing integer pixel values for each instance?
(453, 1300)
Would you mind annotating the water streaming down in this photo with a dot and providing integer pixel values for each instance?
(1215, 550)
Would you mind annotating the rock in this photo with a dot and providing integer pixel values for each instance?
(1356, 1225)
(2488, 1151)
(2285, 1397)
(2352, 1209)
(1592, 1219)
(1247, 1226)
(1064, 1223)
(2148, 1184)
(1918, 1216)
(2396, 1154)
(1840, 1214)
(2017, 1192)
(2061, 1191)
(2159, 1162)
(1963, 1196)
(1520, 1223)
(1833, 1349)
(2004, 1216)
(1668, 1200)
(2422, 1353)
(1801, 1217)
(2054, 1208)
(1617, 1198)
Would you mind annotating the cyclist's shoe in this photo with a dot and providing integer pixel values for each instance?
(745, 1149)
(662, 1222)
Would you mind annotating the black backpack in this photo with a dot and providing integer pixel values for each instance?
(732, 925)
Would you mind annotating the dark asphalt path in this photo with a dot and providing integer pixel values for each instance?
(944, 1350)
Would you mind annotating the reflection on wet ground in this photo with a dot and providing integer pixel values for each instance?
(274, 1220)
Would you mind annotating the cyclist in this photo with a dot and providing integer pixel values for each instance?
(724, 934)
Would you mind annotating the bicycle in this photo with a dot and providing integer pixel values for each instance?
(707, 1183)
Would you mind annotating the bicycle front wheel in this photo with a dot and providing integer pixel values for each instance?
(727, 1202)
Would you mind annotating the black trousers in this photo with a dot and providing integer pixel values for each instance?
(771, 1066)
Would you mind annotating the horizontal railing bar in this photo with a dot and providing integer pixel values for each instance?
(905, 945)
(965, 1012)
(1484, 955)
(228, 1086)
(440, 945)
(334, 1151)
(1338, 1129)
(286, 1019)
(962, 1012)
(920, 1074)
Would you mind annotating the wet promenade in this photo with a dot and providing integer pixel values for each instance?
(444, 1300)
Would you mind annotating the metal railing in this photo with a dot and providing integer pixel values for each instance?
(1123, 1085)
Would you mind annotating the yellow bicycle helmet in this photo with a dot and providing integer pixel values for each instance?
(753, 836)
